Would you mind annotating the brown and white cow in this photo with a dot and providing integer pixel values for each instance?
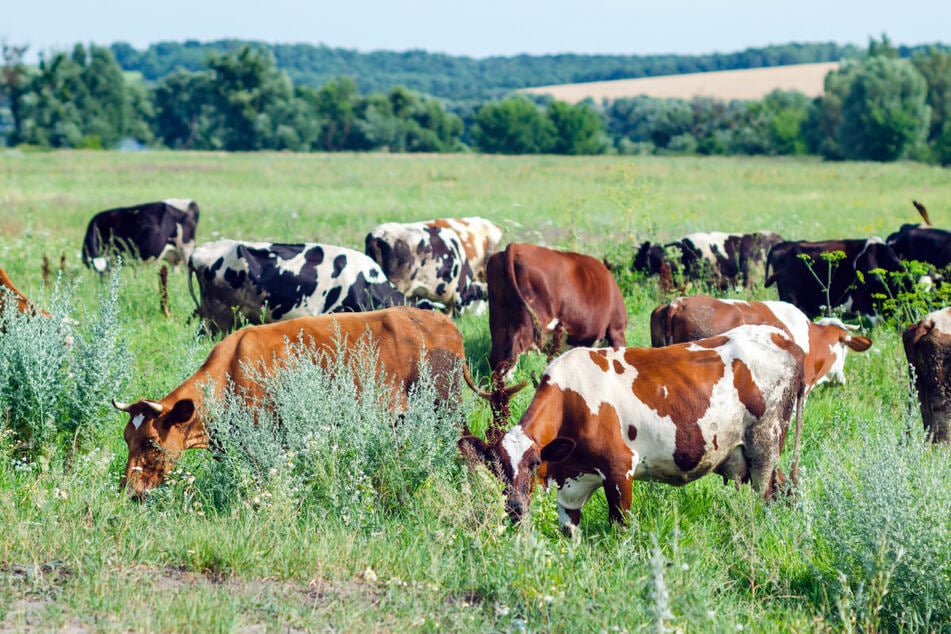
(24, 305)
(928, 349)
(605, 417)
(480, 239)
(824, 343)
(535, 291)
(158, 431)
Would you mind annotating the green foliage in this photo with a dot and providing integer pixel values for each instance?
(512, 126)
(881, 523)
(56, 379)
(577, 129)
(352, 458)
(884, 111)
(935, 66)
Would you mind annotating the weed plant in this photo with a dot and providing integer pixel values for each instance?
(57, 375)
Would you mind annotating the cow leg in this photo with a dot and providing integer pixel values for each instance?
(618, 493)
(572, 494)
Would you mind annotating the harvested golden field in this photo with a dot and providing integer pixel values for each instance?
(753, 83)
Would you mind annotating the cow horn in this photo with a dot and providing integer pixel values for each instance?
(122, 407)
(157, 407)
(850, 327)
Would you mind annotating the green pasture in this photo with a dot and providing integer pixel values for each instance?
(862, 547)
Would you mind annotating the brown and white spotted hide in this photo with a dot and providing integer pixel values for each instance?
(928, 349)
(426, 262)
(480, 239)
(535, 292)
(605, 417)
(824, 343)
(159, 431)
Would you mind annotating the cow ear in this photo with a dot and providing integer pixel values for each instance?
(182, 412)
(557, 450)
(473, 448)
(859, 344)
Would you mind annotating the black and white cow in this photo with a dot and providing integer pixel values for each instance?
(265, 282)
(722, 259)
(150, 231)
(427, 262)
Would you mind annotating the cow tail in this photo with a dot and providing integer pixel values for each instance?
(191, 291)
(510, 269)
(794, 469)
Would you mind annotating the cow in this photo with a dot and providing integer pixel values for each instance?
(480, 239)
(404, 337)
(426, 262)
(922, 243)
(928, 350)
(725, 260)
(819, 276)
(264, 282)
(608, 416)
(23, 305)
(535, 291)
(150, 231)
(824, 343)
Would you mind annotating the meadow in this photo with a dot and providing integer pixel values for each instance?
(337, 538)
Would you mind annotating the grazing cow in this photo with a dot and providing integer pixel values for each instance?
(605, 417)
(928, 349)
(723, 259)
(426, 262)
(815, 282)
(534, 291)
(149, 231)
(480, 239)
(158, 431)
(697, 317)
(23, 304)
(264, 282)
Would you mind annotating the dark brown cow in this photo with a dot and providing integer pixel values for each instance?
(824, 343)
(158, 431)
(928, 349)
(605, 417)
(24, 305)
(534, 291)
(805, 276)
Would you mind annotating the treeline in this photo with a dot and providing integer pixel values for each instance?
(463, 78)
(877, 106)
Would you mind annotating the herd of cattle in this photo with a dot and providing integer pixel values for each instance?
(715, 394)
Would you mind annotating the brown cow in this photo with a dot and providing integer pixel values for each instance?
(928, 349)
(24, 305)
(824, 343)
(534, 291)
(158, 431)
(606, 417)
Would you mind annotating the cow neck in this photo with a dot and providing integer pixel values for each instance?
(193, 432)
(542, 421)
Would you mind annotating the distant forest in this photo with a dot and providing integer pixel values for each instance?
(463, 78)
(883, 103)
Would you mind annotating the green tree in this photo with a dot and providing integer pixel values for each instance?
(884, 113)
(935, 66)
(183, 108)
(577, 129)
(14, 84)
(512, 126)
(336, 103)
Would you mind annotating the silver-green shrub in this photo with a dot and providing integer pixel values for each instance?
(57, 374)
(882, 520)
(346, 454)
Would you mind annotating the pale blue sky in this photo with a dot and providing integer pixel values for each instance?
(480, 28)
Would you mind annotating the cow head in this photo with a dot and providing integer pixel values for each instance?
(156, 436)
(837, 337)
(514, 460)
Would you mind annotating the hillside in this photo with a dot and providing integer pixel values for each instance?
(753, 83)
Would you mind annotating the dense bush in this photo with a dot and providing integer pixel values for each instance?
(881, 524)
(316, 444)
(57, 376)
